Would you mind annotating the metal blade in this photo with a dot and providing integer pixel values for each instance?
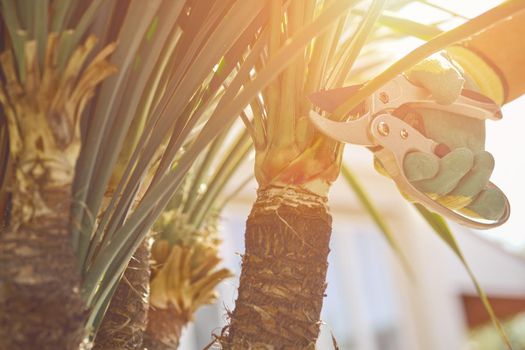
(355, 131)
(329, 100)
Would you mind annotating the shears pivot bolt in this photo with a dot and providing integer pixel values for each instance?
(383, 129)
(404, 134)
(383, 97)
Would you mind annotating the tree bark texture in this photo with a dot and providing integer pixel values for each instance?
(164, 329)
(40, 303)
(126, 318)
(282, 282)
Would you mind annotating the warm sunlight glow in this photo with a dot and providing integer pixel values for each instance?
(503, 137)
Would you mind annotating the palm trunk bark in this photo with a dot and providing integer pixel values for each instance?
(164, 328)
(126, 318)
(282, 282)
(40, 302)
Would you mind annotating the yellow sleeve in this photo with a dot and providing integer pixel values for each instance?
(495, 59)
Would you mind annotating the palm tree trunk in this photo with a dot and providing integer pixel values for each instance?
(164, 328)
(126, 318)
(40, 302)
(282, 282)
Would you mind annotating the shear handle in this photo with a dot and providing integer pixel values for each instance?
(397, 143)
(469, 104)
(401, 91)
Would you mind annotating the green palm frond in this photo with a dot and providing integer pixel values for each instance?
(161, 128)
(438, 43)
(177, 103)
(376, 216)
(441, 228)
(192, 94)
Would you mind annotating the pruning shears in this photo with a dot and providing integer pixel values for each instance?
(375, 125)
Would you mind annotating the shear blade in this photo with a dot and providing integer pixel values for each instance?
(329, 100)
(349, 132)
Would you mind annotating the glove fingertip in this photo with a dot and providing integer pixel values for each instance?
(420, 166)
(440, 77)
(459, 161)
(477, 178)
(490, 204)
(452, 168)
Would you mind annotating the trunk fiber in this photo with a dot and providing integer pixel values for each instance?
(284, 267)
(40, 303)
(164, 329)
(126, 318)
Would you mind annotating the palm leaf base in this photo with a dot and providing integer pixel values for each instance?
(184, 280)
(282, 282)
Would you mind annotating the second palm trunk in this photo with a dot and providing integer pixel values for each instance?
(282, 283)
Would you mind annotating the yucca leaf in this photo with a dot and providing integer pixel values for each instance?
(217, 43)
(408, 27)
(280, 61)
(26, 14)
(17, 35)
(136, 23)
(176, 98)
(441, 228)
(442, 8)
(440, 42)
(203, 170)
(157, 135)
(61, 10)
(67, 47)
(224, 68)
(131, 233)
(139, 161)
(122, 134)
(130, 154)
(359, 39)
(235, 155)
(228, 197)
(319, 58)
(40, 20)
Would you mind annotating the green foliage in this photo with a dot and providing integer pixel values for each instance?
(186, 70)
(441, 228)
(375, 215)
(434, 45)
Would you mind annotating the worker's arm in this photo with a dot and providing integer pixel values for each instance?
(495, 59)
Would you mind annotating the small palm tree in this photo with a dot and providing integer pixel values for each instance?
(84, 188)
(185, 252)
(288, 230)
(88, 172)
(47, 83)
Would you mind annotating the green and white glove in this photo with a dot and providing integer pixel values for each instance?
(458, 180)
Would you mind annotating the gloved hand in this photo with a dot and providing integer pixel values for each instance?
(459, 179)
